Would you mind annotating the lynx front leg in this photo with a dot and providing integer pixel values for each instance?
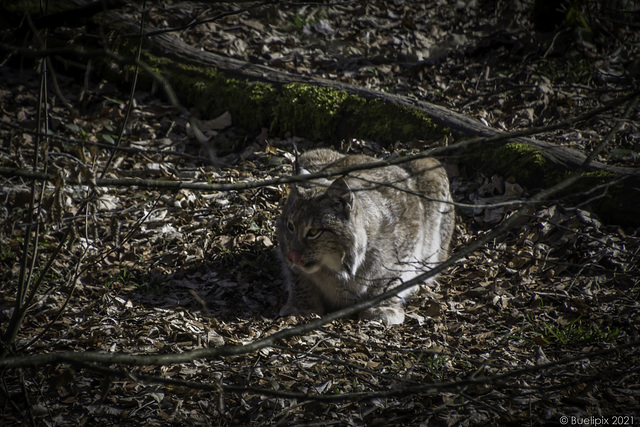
(304, 298)
(391, 311)
(387, 315)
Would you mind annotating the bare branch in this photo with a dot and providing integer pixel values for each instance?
(71, 357)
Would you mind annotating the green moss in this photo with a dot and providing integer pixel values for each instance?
(314, 112)
(587, 182)
(612, 198)
(384, 122)
(605, 185)
(528, 165)
(310, 111)
(523, 161)
(596, 177)
(328, 114)
(212, 93)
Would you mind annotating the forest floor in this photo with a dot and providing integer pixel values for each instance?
(539, 324)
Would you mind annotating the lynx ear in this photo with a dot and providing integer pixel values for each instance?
(297, 169)
(340, 192)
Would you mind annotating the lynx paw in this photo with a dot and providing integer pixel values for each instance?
(291, 310)
(387, 315)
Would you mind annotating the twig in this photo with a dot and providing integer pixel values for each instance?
(632, 105)
(82, 142)
(26, 270)
(23, 301)
(208, 20)
(132, 92)
(423, 388)
(76, 15)
(299, 329)
(163, 184)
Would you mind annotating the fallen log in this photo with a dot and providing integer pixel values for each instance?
(533, 162)
(329, 111)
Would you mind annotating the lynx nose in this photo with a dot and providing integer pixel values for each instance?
(295, 258)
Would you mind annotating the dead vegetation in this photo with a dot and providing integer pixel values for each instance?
(539, 322)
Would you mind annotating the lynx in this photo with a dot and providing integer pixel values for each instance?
(346, 239)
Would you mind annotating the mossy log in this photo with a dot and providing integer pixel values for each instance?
(329, 111)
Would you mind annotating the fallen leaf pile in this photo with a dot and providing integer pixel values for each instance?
(540, 323)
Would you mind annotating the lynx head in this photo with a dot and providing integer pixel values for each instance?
(317, 230)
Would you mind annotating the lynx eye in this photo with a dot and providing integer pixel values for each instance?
(290, 227)
(313, 233)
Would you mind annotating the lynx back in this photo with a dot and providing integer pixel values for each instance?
(344, 240)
